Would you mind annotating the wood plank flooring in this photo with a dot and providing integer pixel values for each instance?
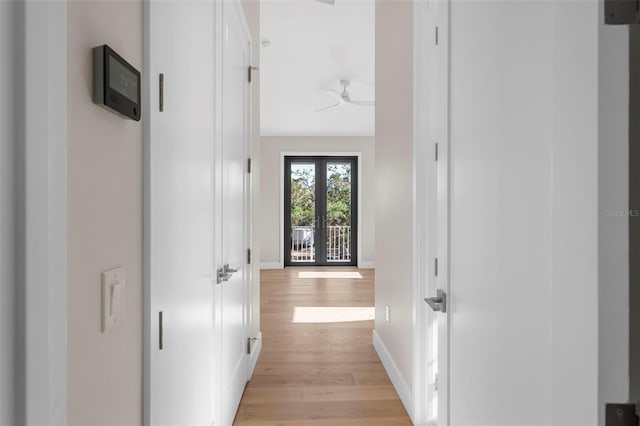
(315, 369)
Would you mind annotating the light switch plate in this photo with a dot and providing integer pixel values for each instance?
(113, 299)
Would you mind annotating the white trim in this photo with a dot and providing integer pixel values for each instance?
(404, 391)
(367, 265)
(283, 154)
(45, 217)
(8, 214)
(420, 214)
(271, 265)
(253, 356)
(430, 205)
(281, 214)
(248, 141)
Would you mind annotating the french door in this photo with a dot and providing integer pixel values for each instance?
(321, 211)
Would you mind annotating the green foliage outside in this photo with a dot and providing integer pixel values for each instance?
(338, 195)
(302, 195)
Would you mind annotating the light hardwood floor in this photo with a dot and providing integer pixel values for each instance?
(315, 369)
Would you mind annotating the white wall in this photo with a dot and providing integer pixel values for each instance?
(270, 191)
(394, 186)
(105, 222)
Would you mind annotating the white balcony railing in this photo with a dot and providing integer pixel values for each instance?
(302, 244)
(338, 247)
(338, 244)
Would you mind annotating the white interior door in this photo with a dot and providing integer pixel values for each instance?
(179, 240)
(500, 214)
(235, 203)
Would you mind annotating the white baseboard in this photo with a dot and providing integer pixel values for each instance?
(253, 357)
(404, 392)
(271, 265)
(366, 265)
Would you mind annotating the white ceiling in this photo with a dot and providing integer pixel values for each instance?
(314, 46)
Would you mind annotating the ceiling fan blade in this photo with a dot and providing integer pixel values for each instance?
(334, 94)
(329, 107)
(363, 103)
(331, 2)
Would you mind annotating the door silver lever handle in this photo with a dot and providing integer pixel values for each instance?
(221, 276)
(228, 270)
(438, 303)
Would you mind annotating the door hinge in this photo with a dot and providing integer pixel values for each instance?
(161, 94)
(437, 34)
(250, 72)
(248, 165)
(621, 12)
(435, 382)
(249, 256)
(622, 415)
(435, 267)
(160, 330)
(250, 342)
(437, 153)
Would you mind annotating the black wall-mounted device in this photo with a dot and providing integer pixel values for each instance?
(116, 83)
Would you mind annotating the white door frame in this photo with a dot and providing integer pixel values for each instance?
(430, 204)
(248, 220)
(283, 154)
(39, 73)
(422, 196)
(47, 57)
(47, 270)
(248, 131)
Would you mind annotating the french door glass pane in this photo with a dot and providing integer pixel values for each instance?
(303, 212)
(337, 222)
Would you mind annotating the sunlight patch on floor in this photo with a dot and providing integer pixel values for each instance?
(329, 274)
(314, 314)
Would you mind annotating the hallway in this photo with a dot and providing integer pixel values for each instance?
(318, 365)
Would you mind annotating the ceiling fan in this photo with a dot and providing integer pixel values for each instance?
(344, 97)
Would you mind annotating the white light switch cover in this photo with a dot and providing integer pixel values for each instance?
(112, 297)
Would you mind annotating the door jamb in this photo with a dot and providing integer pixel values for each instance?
(420, 210)
(284, 154)
(41, 213)
(430, 199)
